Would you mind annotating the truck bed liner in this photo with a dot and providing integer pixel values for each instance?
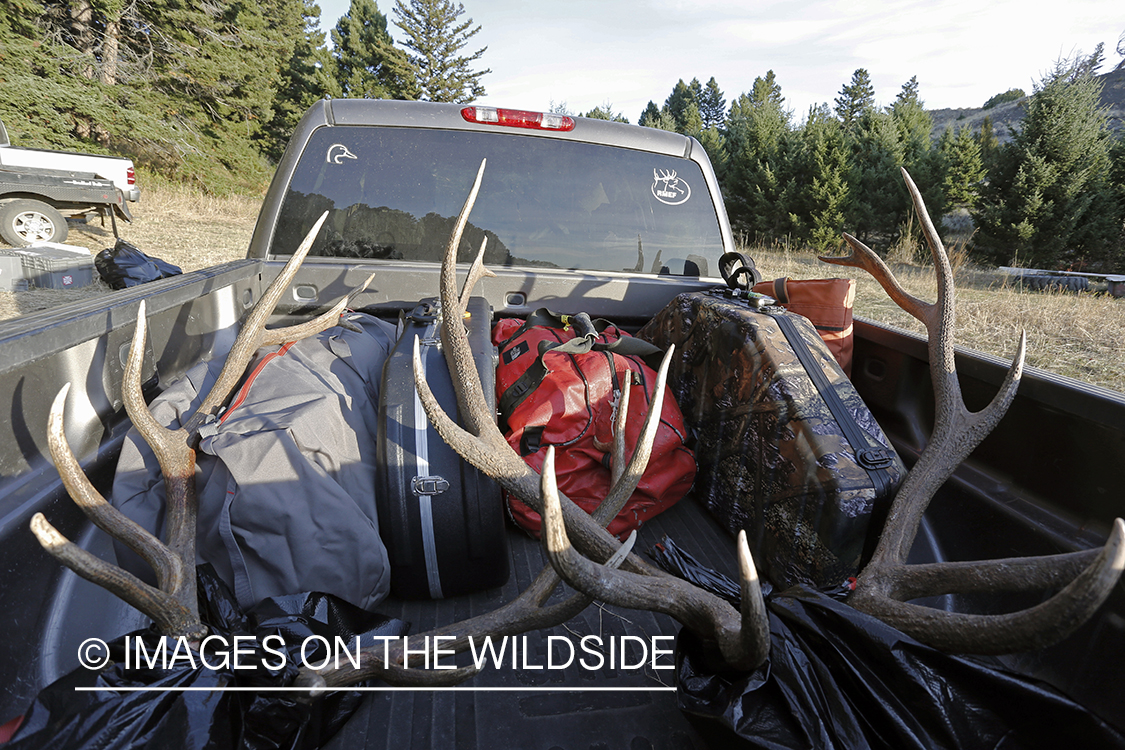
(549, 714)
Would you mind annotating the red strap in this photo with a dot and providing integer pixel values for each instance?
(245, 390)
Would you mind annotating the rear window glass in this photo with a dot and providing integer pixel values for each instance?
(395, 193)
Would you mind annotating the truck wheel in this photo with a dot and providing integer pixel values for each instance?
(24, 221)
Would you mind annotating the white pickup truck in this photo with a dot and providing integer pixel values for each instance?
(39, 188)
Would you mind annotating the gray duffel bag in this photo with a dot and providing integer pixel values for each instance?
(286, 478)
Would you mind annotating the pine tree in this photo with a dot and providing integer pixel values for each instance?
(987, 141)
(767, 90)
(914, 123)
(189, 90)
(1047, 201)
(650, 115)
(1115, 258)
(965, 171)
(605, 112)
(18, 22)
(715, 145)
(308, 76)
(659, 119)
(368, 65)
(712, 105)
(682, 96)
(925, 164)
(691, 122)
(877, 202)
(817, 208)
(758, 178)
(436, 38)
(856, 99)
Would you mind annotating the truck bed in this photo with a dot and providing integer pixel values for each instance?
(1050, 492)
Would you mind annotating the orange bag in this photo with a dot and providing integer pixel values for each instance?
(825, 302)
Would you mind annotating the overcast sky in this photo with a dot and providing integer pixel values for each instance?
(588, 52)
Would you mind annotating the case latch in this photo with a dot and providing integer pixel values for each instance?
(430, 485)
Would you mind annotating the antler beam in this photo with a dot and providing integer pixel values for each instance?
(886, 583)
(172, 603)
(742, 644)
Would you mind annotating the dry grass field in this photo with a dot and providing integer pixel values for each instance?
(1078, 335)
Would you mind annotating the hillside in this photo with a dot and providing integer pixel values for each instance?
(1009, 115)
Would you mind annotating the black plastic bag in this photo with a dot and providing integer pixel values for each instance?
(124, 265)
(64, 718)
(679, 562)
(837, 678)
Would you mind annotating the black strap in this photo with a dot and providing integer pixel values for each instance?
(738, 270)
(781, 290)
(875, 459)
(531, 440)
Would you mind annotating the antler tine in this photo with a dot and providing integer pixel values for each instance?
(477, 271)
(165, 610)
(254, 335)
(1036, 627)
(624, 480)
(466, 381)
(169, 605)
(865, 258)
(742, 637)
(617, 458)
(886, 583)
(177, 466)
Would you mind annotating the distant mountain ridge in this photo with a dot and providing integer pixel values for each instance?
(1009, 115)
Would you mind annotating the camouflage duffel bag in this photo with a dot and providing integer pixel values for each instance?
(786, 448)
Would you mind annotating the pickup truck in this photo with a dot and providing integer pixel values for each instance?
(40, 188)
(567, 206)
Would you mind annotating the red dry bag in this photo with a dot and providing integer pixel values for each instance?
(559, 383)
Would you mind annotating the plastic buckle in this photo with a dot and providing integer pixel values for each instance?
(879, 458)
(425, 312)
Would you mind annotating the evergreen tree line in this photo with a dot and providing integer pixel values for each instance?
(1053, 196)
(208, 93)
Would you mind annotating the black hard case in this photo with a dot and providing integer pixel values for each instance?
(441, 520)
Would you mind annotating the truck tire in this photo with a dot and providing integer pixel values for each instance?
(24, 221)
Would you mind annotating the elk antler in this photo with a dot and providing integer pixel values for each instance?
(742, 640)
(172, 603)
(886, 583)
